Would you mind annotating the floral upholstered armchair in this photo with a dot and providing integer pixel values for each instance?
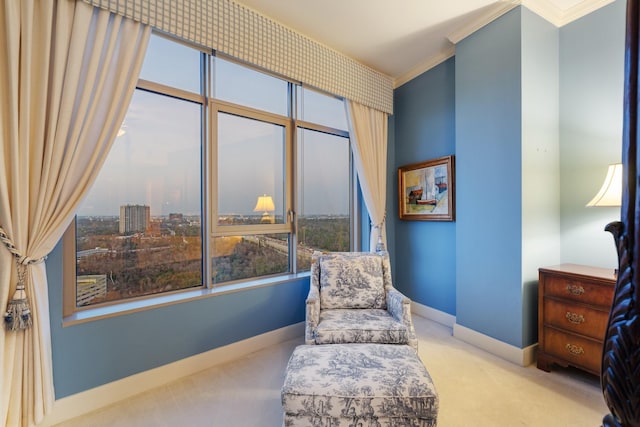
(352, 300)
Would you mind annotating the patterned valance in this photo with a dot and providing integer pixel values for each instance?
(242, 33)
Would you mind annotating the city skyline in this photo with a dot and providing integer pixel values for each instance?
(136, 170)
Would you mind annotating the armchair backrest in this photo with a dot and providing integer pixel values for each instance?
(351, 279)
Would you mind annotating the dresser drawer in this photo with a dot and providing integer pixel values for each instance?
(575, 318)
(573, 310)
(575, 350)
(582, 291)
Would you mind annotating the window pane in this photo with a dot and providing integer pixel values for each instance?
(244, 86)
(322, 109)
(160, 64)
(139, 228)
(243, 257)
(250, 171)
(323, 194)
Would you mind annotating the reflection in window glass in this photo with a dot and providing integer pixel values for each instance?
(250, 171)
(138, 231)
(242, 257)
(323, 194)
(322, 109)
(244, 86)
(160, 64)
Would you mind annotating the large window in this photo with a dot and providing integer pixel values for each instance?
(323, 194)
(248, 171)
(138, 231)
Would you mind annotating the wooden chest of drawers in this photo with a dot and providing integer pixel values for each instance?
(573, 310)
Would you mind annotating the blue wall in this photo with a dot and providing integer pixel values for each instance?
(425, 262)
(591, 94)
(489, 196)
(94, 353)
(540, 161)
(532, 113)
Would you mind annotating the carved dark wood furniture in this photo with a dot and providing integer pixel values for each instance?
(620, 376)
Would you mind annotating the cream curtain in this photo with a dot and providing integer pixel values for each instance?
(67, 74)
(368, 131)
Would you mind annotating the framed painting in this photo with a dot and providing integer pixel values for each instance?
(426, 191)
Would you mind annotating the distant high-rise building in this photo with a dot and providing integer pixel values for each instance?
(134, 218)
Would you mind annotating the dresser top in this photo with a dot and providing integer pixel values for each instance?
(581, 270)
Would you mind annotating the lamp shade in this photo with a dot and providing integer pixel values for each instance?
(264, 204)
(611, 192)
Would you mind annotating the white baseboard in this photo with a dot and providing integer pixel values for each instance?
(433, 314)
(90, 400)
(519, 356)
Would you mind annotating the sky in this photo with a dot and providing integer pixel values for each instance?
(156, 159)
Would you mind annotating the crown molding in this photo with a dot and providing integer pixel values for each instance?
(547, 10)
(560, 17)
(426, 65)
(500, 9)
(544, 8)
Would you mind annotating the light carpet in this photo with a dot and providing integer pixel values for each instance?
(475, 388)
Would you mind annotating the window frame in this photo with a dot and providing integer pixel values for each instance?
(354, 211)
(288, 227)
(210, 108)
(252, 114)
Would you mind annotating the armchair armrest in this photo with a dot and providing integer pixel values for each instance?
(312, 313)
(399, 306)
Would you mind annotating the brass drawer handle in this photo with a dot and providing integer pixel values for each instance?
(576, 350)
(574, 318)
(575, 289)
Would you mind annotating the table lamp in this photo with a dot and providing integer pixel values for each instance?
(265, 205)
(610, 193)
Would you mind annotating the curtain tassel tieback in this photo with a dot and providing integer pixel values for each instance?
(18, 315)
(380, 244)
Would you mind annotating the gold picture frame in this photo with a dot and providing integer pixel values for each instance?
(426, 190)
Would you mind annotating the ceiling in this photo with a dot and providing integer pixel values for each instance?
(404, 38)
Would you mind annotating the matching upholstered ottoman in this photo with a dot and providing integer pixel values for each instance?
(358, 385)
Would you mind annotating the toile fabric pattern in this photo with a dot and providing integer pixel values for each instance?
(355, 311)
(358, 385)
(359, 326)
(350, 280)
